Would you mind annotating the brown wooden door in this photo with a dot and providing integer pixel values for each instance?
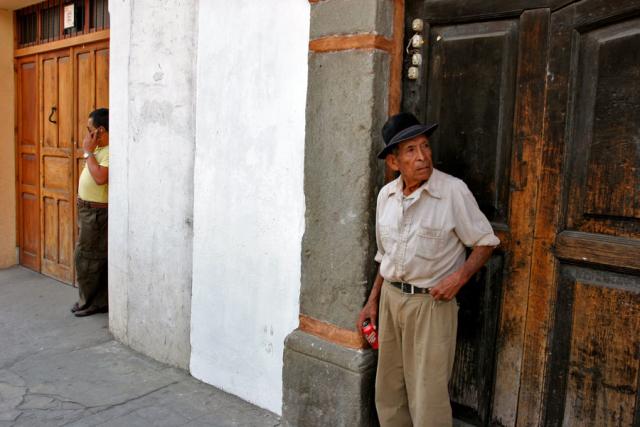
(56, 92)
(538, 107)
(56, 161)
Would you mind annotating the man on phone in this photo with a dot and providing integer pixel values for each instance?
(93, 197)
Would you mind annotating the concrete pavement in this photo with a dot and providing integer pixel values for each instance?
(59, 370)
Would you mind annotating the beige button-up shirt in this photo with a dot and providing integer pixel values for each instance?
(422, 237)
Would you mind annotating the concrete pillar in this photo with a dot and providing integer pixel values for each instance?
(152, 142)
(7, 144)
(328, 371)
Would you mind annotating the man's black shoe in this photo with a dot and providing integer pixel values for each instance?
(91, 310)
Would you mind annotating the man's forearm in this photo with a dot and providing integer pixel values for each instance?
(377, 286)
(100, 174)
(479, 256)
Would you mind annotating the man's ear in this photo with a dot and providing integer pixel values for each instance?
(392, 162)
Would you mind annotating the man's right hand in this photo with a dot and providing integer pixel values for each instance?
(370, 309)
(370, 312)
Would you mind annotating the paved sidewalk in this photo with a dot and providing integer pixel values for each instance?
(56, 369)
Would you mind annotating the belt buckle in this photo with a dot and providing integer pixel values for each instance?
(407, 288)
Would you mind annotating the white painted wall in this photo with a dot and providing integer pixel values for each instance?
(249, 201)
(152, 143)
(118, 165)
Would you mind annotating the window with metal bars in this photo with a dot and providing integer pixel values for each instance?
(27, 22)
(45, 22)
(99, 14)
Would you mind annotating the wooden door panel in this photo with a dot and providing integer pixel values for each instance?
(471, 95)
(28, 165)
(56, 173)
(102, 78)
(56, 160)
(50, 102)
(66, 224)
(85, 93)
(483, 81)
(29, 168)
(30, 242)
(603, 362)
(50, 228)
(472, 378)
(28, 102)
(65, 103)
(596, 360)
(592, 377)
(465, 10)
(604, 187)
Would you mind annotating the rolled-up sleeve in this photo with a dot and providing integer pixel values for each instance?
(471, 225)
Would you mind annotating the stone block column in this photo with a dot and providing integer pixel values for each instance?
(353, 84)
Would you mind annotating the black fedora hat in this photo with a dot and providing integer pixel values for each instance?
(401, 127)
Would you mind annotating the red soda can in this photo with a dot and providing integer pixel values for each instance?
(370, 334)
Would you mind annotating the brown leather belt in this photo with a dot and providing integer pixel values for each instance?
(408, 288)
(98, 205)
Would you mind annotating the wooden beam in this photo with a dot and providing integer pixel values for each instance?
(332, 333)
(64, 43)
(578, 247)
(355, 41)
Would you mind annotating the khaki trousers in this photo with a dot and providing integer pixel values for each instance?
(417, 338)
(91, 257)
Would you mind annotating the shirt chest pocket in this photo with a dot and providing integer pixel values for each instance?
(387, 238)
(429, 242)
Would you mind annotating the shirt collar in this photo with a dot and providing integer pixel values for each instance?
(432, 186)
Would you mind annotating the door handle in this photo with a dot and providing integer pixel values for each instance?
(53, 111)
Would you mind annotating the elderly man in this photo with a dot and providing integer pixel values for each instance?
(424, 220)
(93, 197)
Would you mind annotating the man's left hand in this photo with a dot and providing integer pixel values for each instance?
(448, 287)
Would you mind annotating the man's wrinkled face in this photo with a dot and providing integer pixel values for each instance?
(413, 160)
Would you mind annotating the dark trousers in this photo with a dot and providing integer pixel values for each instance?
(91, 257)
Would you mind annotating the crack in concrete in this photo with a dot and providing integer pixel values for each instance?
(9, 366)
(115, 405)
(57, 398)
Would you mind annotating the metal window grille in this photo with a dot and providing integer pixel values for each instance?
(50, 22)
(44, 22)
(99, 14)
(27, 23)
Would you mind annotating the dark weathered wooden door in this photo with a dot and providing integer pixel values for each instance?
(538, 104)
(593, 158)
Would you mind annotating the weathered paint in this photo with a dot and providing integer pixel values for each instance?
(249, 202)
